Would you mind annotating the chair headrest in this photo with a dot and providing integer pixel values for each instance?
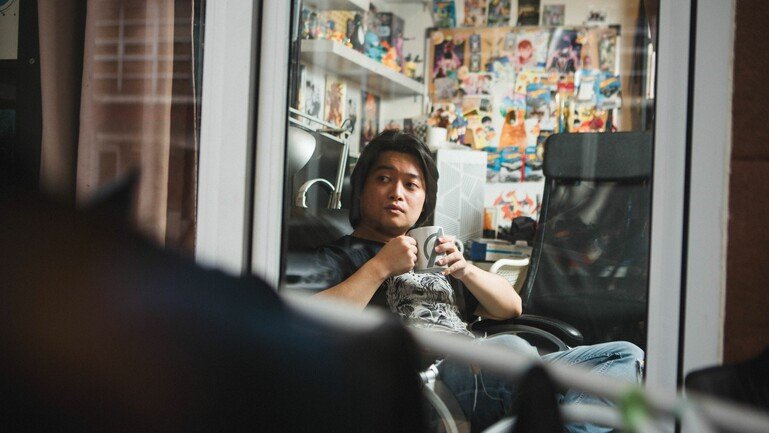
(599, 156)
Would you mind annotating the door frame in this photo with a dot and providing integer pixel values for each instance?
(685, 176)
(225, 165)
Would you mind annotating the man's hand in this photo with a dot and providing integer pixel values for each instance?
(457, 265)
(397, 256)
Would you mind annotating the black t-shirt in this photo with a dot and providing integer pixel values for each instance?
(424, 300)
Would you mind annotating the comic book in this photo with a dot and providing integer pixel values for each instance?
(499, 13)
(475, 13)
(335, 103)
(607, 90)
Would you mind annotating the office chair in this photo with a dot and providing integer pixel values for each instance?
(589, 263)
(745, 382)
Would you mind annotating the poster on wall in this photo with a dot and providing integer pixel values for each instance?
(513, 201)
(564, 53)
(449, 56)
(353, 112)
(475, 13)
(531, 48)
(369, 120)
(528, 12)
(335, 102)
(507, 89)
(553, 15)
(499, 13)
(314, 88)
(444, 14)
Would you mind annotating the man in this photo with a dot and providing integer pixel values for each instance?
(394, 187)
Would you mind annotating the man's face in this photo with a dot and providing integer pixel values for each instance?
(393, 195)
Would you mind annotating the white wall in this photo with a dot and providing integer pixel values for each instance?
(416, 19)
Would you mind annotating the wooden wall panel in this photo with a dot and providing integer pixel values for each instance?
(747, 287)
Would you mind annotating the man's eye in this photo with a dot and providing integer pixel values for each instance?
(384, 179)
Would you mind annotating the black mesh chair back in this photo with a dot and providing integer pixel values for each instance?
(589, 265)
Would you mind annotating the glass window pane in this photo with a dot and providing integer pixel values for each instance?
(141, 110)
(538, 117)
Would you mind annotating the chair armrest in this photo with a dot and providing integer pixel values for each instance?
(564, 331)
(508, 262)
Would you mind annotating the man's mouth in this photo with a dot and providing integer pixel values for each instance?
(394, 208)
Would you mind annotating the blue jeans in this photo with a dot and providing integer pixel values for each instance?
(486, 398)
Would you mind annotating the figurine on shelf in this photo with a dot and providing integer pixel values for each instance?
(417, 61)
(372, 47)
(390, 59)
(306, 13)
(398, 44)
(356, 32)
(315, 27)
(410, 66)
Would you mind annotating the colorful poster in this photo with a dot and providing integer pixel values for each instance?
(513, 200)
(607, 50)
(475, 13)
(531, 48)
(477, 84)
(499, 13)
(369, 122)
(564, 53)
(353, 111)
(449, 57)
(528, 12)
(522, 85)
(444, 14)
(335, 103)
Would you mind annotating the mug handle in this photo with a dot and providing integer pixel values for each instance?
(460, 245)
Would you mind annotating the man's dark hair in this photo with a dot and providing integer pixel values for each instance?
(394, 141)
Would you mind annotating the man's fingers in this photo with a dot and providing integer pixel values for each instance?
(451, 258)
(446, 247)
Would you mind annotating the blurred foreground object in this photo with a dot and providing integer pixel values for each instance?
(102, 331)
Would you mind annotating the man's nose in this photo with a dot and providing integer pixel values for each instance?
(396, 191)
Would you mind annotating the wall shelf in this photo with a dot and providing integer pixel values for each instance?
(351, 65)
(337, 5)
